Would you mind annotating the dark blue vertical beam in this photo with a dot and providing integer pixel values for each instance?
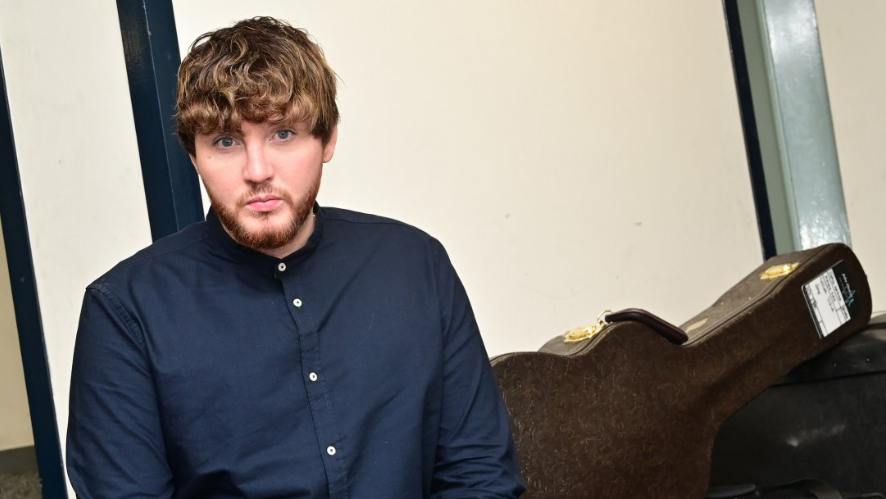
(150, 45)
(749, 126)
(27, 309)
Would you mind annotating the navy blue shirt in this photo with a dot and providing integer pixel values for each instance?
(351, 369)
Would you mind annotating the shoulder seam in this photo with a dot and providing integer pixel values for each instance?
(133, 260)
(131, 325)
(380, 220)
(375, 220)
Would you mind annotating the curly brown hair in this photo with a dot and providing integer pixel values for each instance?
(259, 70)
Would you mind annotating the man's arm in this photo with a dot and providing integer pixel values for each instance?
(475, 452)
(115, 445)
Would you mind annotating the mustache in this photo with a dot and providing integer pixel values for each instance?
(263, 189)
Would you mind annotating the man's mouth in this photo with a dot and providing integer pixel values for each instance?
(264, 203)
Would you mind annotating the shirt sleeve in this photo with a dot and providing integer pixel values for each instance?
(475, 453)
(115, 446)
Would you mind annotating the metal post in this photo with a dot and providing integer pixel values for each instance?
(152, 58)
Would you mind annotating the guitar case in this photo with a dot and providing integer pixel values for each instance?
(630, 409)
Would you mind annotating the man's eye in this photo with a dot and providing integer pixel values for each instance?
(284, 134)
(225, 142)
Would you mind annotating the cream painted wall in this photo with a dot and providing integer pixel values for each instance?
(15, 420)
(78, 161)
(571, 155)
(853, 43)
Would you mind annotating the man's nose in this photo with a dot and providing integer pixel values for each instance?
(258, 168)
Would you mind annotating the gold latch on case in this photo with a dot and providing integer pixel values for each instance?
(583, 333)
(777, 271)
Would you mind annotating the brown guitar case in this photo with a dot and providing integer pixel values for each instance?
(632, 410)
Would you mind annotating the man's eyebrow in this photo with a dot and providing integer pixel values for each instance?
(288, 123)
(225, 129)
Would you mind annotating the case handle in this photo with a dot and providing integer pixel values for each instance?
(664, 328)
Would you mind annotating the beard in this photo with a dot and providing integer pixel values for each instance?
(266, 238)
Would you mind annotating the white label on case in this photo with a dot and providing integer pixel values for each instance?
(826, 303)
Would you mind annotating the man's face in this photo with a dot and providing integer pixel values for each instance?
(262, 182)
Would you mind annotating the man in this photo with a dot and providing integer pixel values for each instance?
(281, 349)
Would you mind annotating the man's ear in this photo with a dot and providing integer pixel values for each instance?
(193, 161)
(329, 148)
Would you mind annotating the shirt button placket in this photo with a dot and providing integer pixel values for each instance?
(331, 451)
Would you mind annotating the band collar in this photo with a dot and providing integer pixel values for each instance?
(226, 247)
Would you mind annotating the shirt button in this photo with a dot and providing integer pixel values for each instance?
(296, 302)
(330, 450)
(281, 267)
(312, 376)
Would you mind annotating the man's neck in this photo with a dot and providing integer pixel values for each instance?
(297, 243)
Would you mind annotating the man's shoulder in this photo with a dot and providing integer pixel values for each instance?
(165, 251)
(345, 220)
